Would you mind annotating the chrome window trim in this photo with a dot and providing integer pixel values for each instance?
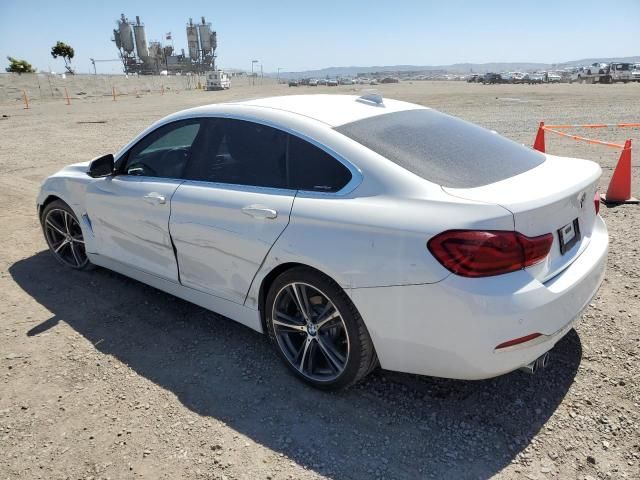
(356, 173)
(240, 187)
(146, 178)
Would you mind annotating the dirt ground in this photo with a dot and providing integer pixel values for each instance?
(104, 377)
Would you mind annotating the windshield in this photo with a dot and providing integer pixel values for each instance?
(443, 149)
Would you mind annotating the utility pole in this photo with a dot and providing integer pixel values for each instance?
(93, 62)
(253, 78)
(279, 74)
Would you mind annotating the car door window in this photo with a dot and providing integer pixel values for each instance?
(242, 153)
(165, 152)
(311, 168)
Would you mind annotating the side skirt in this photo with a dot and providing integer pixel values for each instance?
(241, 314)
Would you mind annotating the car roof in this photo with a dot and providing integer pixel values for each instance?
(333, 110)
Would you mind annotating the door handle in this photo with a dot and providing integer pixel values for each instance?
(259, 211)
(155, 198)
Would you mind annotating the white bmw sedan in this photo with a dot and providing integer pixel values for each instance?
(354, 231)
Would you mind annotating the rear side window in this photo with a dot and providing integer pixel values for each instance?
(311, 168)
(242, 153)
(443, 149)
(246, 153)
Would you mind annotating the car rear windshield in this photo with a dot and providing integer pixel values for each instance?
(443, 149)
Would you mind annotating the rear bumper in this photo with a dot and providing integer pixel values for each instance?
(451, 328)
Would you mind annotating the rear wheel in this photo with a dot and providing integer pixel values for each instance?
(317, 330)
(64, 236)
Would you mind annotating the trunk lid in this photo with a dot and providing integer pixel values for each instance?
(544, 200)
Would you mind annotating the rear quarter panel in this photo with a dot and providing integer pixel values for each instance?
(375, 240)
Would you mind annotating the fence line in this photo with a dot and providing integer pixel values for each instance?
(45, 87)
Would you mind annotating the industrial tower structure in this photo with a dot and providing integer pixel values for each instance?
(138, 58)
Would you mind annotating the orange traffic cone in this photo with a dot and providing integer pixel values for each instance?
(539, 143)
(619, 190)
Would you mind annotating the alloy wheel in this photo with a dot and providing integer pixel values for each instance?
(310, 332)
(64, 236)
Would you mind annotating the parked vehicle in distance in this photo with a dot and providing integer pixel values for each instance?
(506, 77)
(322, 81)
(373, 82)
(492, 78)
(293, 83)
(417, 241)
(473, 78)
(619, 72)
(390, 80)
(554, 77)
(536, 78)
(332, 83)
(596, 68)
(313, 82)
(635, 72)
(578, 75)
(519, 77)
(218, 80)
(603, 73)
(345, 81)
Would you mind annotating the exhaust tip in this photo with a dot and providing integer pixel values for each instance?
(530, 368)
(543, 360)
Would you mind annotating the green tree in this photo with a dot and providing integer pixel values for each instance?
(61, 49)
(19, 66)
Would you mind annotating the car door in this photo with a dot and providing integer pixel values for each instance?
(129, 211)
(232, 207)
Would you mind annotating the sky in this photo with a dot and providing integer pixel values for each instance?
(303, 35)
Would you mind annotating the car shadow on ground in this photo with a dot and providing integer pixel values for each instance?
(392, 425)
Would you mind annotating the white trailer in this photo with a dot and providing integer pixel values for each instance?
(218, 80)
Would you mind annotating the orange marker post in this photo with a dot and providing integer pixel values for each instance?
(66, 94)
(619, 190)
(113, 92)
(162, 90)
(26, 99)
(538, 144)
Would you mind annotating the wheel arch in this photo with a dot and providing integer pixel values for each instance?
(270, 277)
(49, 199)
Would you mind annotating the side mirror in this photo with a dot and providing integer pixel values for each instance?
(101, 166)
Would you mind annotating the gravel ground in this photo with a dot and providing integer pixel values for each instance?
(104, 377)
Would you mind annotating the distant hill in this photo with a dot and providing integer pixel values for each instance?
(589, 61)
(454, 68)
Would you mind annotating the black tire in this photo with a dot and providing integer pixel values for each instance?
(63, 235)
(360, 358)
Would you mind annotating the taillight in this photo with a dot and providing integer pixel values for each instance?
(596, 203)
(479, 253)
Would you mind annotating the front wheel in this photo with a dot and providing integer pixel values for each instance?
(64, 236)
(317, 330)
